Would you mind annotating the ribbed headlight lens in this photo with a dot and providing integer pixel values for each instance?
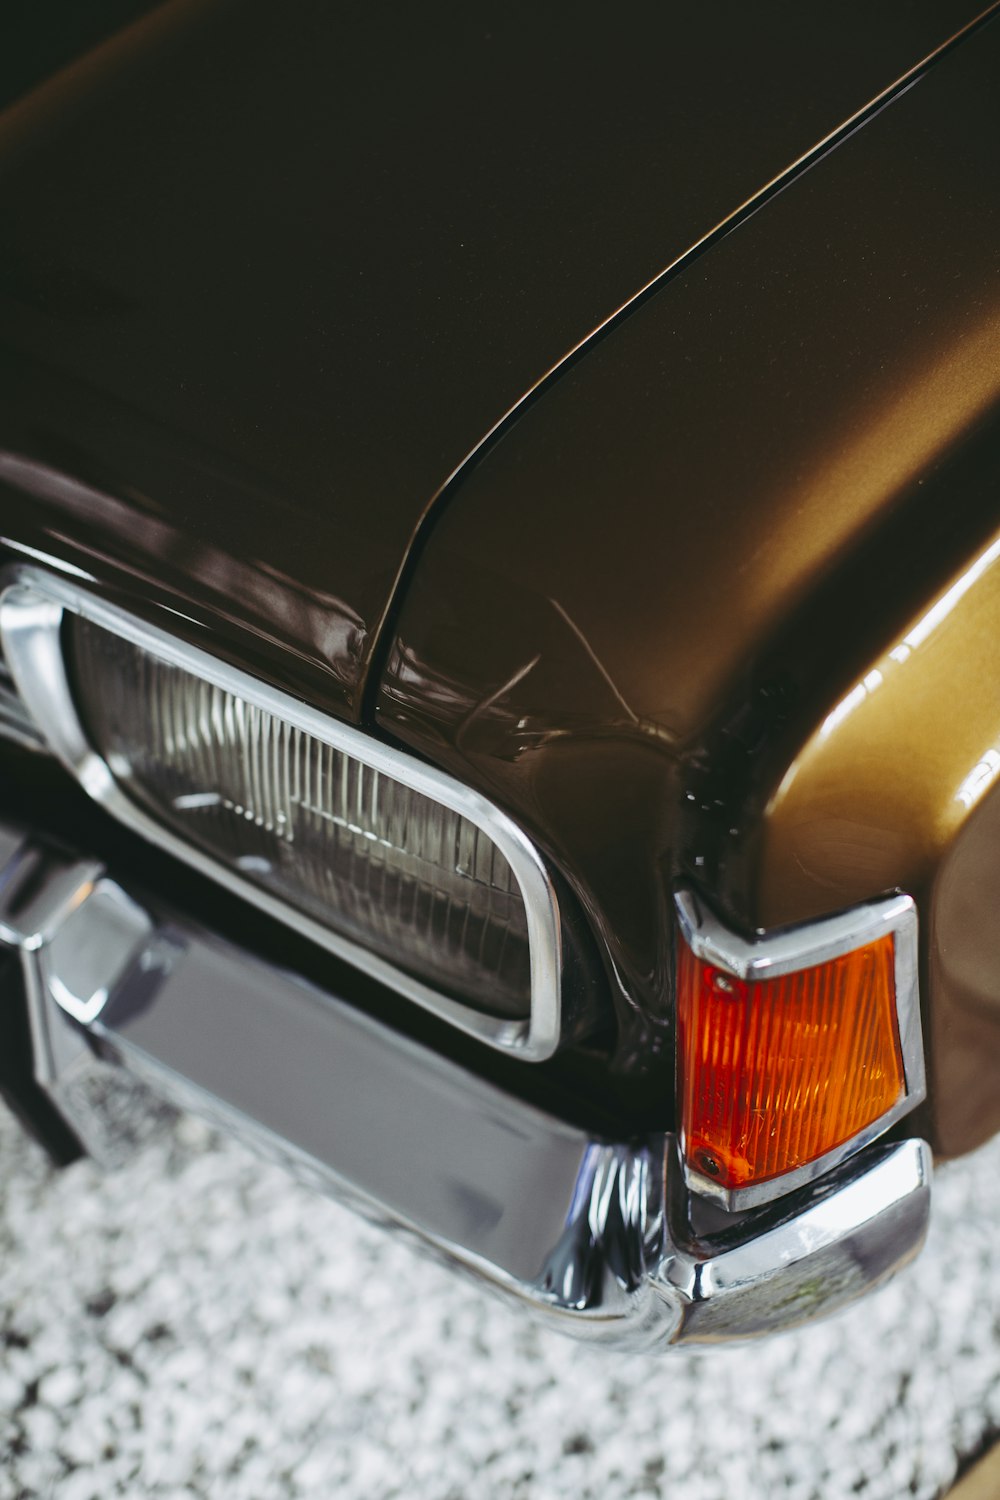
(354, 849)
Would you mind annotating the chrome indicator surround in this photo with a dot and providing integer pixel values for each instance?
(772, 955)
(33, 607)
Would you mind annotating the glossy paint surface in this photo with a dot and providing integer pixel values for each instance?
(40, 38)
(637, 619)
(898, 785)
(268, 274)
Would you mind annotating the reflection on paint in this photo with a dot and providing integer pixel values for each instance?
(979, 779)
(914, 638)
(287, 613)
(864, 689)
(939, 611)
(55, 563)
(922, 414)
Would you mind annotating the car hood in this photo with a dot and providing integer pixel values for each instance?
(268, 276)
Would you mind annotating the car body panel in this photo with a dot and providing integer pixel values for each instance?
(268, 278)
(38, 41)
(897, 788)
(636, 620)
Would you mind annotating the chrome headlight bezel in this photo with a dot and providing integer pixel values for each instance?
(33, 608)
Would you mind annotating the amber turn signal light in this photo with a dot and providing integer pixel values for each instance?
(778, 1072)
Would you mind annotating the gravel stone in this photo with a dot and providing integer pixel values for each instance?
(196, 1324)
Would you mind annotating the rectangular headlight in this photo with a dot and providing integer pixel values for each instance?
(386, 861)
(379, 862)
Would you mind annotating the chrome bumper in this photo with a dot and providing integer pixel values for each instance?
(592, 1234)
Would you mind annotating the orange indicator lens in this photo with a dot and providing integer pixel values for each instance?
(774, 1073)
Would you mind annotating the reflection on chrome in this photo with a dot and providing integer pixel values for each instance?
(596, 1237)
(613, 1227)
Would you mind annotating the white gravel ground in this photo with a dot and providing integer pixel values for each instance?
(198, 1325)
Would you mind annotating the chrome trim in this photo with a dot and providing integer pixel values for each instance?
(15, 721)
(32, 608)
(769, 955)
(76, 934)
(803, 1258)
(593, 1236)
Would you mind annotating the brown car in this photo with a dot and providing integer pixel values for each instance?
(500, 589)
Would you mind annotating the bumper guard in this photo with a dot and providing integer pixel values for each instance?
(593, 1235)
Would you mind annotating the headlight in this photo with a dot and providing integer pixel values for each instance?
(382, 859)
(346, 843)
